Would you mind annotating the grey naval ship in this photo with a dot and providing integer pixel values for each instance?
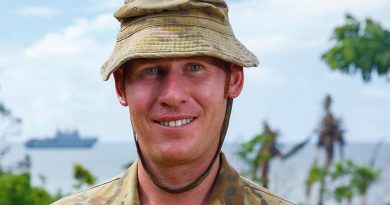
(63, 140)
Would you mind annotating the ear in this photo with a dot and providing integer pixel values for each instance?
(236, 81)
(120, 85)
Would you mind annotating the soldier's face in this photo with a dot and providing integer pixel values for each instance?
(177, 105)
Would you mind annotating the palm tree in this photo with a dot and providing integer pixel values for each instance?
(9, 125)
(330, 134)
(261, 149)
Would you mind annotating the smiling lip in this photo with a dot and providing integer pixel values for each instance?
(175, 123)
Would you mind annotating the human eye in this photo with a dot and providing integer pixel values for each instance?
(149, 71)
(195, 67)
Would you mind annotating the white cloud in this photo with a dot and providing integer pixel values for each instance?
(74, 39)
(37, 11)
(296, 25)
(56, 83)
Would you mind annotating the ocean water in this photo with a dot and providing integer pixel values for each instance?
(106, 160)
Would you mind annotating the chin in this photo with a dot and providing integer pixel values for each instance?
(177, 155)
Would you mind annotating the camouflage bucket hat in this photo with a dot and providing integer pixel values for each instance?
(175, 28)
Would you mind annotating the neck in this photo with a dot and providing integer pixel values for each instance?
(177, 176)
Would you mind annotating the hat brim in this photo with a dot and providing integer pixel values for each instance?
(178, 41)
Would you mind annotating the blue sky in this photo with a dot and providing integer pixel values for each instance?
(51, 53)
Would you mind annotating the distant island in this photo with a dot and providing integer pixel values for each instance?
(62, 140)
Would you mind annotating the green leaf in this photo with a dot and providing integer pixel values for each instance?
(359, 48)
(82, 176)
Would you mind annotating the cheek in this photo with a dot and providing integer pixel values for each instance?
(139, 102)
(211, 98)
(211, 87)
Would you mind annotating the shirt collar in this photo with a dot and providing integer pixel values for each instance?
(227, 188)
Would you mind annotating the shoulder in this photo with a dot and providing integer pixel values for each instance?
(98, 194)
(115, 191)
(255, 193)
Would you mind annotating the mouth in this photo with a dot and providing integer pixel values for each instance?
(176, 123)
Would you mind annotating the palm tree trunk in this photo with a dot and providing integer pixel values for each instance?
(363, 199)
(329, 158)
(309, 187)
(265, 172)
(342, 154)
(349, 200)
(322, 188)
(254, 170)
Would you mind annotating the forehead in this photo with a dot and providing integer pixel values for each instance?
(197, 59)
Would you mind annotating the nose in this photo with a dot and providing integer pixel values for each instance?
(173, 90)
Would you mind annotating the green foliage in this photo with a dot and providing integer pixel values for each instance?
(247, 150)
(316, 174)
(343, 192)
(16, 189)
(363, 47)
(359, 178)
(350, 179)
(13, 189)
(258, 152)
(83, 176)
(41, 196)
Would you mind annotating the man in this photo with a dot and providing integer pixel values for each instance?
(177, 66)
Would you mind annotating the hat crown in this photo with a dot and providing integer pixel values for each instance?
(137, 8)
(176, 28)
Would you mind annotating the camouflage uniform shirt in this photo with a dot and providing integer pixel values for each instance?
(230, 189)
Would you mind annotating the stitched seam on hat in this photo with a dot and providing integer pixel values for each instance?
(189, 51)
(140, 20)
(167, 15)
(145, 9)
(165, 25)
(105, 68)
